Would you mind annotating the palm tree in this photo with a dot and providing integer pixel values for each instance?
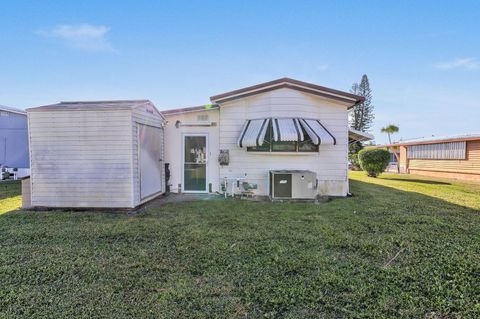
(390, 129)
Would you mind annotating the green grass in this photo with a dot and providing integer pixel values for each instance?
(240, 259)
(10, 196)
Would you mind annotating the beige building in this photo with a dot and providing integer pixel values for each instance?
(451, 156)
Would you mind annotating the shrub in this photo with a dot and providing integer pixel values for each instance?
(6, 174)
(354, 164)
(374, 161)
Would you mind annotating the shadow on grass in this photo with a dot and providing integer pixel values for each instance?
(421, 181)
(445, 199)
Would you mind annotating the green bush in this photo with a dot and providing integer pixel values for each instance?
(374, 161)
(6, 175)
(354, 164)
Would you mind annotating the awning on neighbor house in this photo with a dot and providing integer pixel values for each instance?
(358, 136)
(284, 129)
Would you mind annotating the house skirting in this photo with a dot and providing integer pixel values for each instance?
(454, 175)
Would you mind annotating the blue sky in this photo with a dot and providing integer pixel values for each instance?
(422, 59)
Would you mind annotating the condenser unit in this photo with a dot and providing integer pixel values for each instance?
(293, 184)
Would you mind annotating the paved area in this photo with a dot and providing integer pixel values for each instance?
(180, 198)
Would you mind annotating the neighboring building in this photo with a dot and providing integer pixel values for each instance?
(14, 140)
(455, 156)
(279, 125)
(393, 164)
(96, 154)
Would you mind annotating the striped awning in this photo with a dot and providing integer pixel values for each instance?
(284, 129)
(317, 132)
(253, 133)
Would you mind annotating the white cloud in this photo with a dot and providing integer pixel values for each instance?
(464, 63)
(84, 36)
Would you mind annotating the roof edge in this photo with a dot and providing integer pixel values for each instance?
(190, 109)
(365, 135)
(12, 110)
(290, 83)
(49, 107)
(441, 140)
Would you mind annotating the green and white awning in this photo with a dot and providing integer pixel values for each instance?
(285, 129)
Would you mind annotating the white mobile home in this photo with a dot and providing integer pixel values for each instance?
(283, 125)
(96, 154)
(14, 141)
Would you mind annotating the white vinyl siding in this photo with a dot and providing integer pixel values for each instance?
(79, 159)
(450, 150)
(141, 116)
(330, 163)
(174, 140)
(88, 158)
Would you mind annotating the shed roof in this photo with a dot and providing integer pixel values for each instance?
(12, 110)
(91, 105)
(341, 96)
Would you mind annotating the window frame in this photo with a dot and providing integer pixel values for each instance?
(268, 141)
(438, 151)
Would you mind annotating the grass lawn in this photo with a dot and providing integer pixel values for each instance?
(242, 259)
(10, 196)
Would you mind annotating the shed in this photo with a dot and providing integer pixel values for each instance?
(96, 154)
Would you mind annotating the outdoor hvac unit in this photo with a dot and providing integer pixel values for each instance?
(293, 184)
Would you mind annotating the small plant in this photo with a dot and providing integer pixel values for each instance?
(6, 175)
(374, 161)
(354, 164)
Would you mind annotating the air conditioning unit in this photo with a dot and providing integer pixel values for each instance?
(293, 184)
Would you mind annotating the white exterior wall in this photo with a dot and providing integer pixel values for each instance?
(330, 163)
(174, 145)
(142, 116)
(81, 158)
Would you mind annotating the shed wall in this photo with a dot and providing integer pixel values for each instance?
(330, 163)
(81, 158)
(147, 116)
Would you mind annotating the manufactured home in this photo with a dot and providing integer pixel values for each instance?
(234, 144)
(14, 141)
(283, 139)
(456, 156)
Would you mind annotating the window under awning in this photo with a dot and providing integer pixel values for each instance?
(284, 129)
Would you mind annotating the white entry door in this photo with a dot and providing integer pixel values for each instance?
(195, 163)
(150, 161)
